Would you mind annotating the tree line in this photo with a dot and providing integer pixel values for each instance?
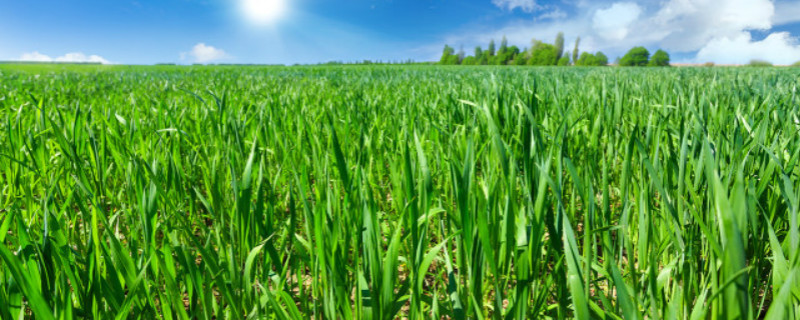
(546, 54)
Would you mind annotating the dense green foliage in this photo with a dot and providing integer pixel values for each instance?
(588, 59)
(636, 57)
(546, 54)
(659, 59)
(540, 54)
(470, 61)
(379, 192)
(449, 56)
(543, 54)
(506, 55)
(759, 63)
(559, 44)
(600, 59)
(575, 50)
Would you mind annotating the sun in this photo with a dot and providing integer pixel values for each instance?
(263, 11)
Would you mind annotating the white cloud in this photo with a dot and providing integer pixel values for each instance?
(524, 5)
(684, 25)
(35, 57)
(698, 29)
(69, 57)
(786, 12)
(612, 23)
(720, 30)
(80, 57)
(553, 14)
(778, 48)
(202, 53)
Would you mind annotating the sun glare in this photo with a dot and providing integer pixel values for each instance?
(263, 11)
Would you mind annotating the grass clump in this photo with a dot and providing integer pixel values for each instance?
(383, 192)
(759, 63)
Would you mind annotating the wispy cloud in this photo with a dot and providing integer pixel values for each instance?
(36, 56)
(786, 12)
(202, 53)
(556, 13)
(703, 30)
(778, 47)
(613, 23)
(524, 5)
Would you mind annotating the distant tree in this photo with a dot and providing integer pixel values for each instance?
(637, 56)
(501, 55)
(796, 64)
(512, 52)
(586, 59)
(601, 58)
(575, 51)
(543, 54)
(546, 54)
(709, 64)
(505, 55)
(519, 54)
(659, 59)
(559, 45)
(469, 61)
(485, 58)
(448, 56)
(446, 53)
(759, 63)
(520, 59)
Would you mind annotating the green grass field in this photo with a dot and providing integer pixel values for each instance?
(399, 192)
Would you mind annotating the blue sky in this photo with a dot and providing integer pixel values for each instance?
(311, 31)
